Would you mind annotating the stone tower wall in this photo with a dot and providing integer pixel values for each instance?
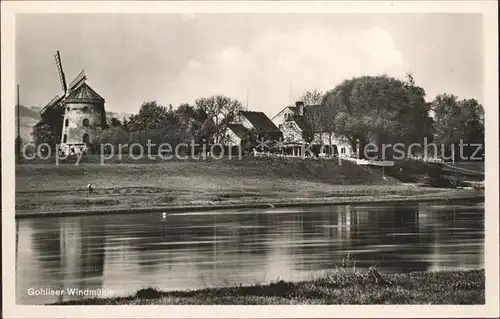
(74, 129)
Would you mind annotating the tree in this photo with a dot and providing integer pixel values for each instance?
(151, 116)
(114, 136)
(44, 134)
(377, 109)
(114, 122)
(220, 111)
(49, 129)
(308, 135)
(191, 121)
(314, 117)
(311, 97)
(456, 120)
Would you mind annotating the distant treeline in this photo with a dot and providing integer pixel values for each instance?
(366, 109)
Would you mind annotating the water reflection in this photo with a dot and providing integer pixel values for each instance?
(183, 251)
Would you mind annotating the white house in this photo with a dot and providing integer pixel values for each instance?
(235, 134)
(293, 124)
(249, 122)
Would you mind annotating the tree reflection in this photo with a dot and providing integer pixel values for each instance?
(389, 237)
(46, 244)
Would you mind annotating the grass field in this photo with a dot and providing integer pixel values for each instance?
(129, 184)
(340, 286)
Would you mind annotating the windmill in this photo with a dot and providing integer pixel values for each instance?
(57, 101)
(52, 114)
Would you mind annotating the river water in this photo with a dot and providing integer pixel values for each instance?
(120, 254)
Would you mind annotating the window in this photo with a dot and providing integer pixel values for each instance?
(86, 138)
(280, 126)
(85, 122)
(85, 109)
(68, 108)
(66, 123)
(65, 138)
(342, 150)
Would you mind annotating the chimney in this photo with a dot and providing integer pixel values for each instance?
(300, 108)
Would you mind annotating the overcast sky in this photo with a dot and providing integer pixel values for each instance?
(174, 58)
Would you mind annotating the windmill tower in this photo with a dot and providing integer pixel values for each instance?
(77, 115)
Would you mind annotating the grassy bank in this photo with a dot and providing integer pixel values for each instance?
(123, 185)
(340, 286)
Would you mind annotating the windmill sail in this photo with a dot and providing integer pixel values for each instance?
(80, 78)
(55, 102)
(61, 72)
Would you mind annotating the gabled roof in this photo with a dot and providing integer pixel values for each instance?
(310, 111)
(84, 94)
(239, 130)
(260, 121)
(286, 107)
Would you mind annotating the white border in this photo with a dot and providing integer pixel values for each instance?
(489, 9)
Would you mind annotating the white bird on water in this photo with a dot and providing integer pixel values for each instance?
(164, 215)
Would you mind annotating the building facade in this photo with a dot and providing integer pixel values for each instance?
(301, 124)
(252, 124)
(84, 118)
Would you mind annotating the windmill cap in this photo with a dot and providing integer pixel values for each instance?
(84, 94)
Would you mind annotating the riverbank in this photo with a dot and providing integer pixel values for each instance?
(290, 202)
(56, 190)
(340, 286)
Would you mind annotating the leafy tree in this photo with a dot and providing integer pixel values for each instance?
(418, 109)
(114, 122)
(191, 121)
(377, 109)
(313, 114)
(113, 135)
(44, 134)
(314, 117)
(151, 116)
(312, 97)
(456, 120)
(154, 136)
(220, 111)
(49, 129)
(250, 140)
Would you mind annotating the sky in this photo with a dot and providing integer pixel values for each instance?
(263, 60)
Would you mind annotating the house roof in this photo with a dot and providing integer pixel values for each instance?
(309, 112)
(292, 108)
(238, 129)
(260, 121)
(84, 94)
(301, 123)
